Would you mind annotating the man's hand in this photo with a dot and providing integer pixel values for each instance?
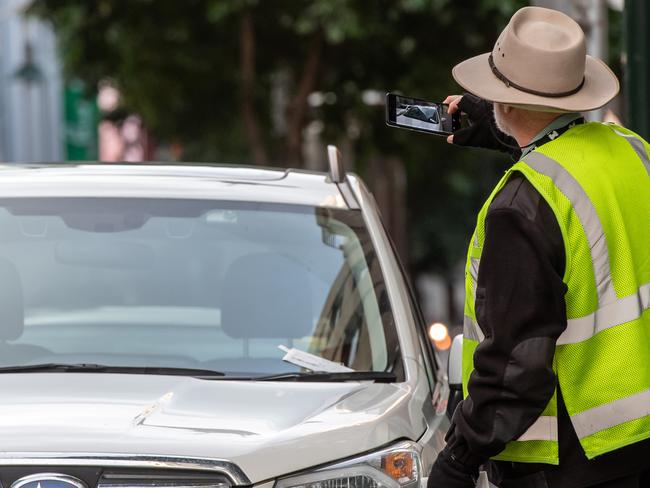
(456, 466)
(452, 101)
(482, 131)
(447, 472)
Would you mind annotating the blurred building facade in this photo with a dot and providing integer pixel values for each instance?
(31, 101)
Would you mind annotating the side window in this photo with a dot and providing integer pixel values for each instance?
(430, 362)
(427, 349)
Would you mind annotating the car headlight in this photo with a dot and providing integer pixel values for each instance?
(395, 467)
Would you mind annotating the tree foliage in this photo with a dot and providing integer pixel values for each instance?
(205, 73)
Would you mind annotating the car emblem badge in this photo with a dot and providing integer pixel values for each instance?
(48, 480)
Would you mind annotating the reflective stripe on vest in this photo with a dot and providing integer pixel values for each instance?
(616, 313)
(638, 147)
(471, 330)
(588, 218)
(611, 414)
(543, 429)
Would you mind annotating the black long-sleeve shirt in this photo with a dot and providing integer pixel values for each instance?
(521, 309)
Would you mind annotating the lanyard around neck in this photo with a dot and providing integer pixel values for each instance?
(551, 135)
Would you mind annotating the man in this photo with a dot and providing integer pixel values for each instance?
(557, 329)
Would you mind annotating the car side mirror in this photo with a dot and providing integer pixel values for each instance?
(455, 374)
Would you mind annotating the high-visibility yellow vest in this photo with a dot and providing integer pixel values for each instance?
(596, 180)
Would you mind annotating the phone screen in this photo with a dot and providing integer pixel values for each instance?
(416, 114)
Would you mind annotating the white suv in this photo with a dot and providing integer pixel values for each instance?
(207, 326)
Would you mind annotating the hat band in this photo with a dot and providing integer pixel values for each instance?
(509, 83)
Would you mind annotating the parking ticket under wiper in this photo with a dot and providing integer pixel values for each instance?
(104, 368)
(312, 362)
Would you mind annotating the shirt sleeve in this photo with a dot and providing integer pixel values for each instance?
(520, 309)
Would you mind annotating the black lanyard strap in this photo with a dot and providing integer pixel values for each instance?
(552, 134)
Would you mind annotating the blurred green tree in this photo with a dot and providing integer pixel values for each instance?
(230, 80)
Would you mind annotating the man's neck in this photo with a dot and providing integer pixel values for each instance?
(525, 135)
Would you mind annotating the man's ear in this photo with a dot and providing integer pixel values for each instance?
(506, 108)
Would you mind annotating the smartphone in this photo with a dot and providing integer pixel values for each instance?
(415, 114)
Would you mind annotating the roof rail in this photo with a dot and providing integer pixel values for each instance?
(337, 172)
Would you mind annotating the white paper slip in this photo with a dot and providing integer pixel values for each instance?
(483, 481)
(312, 362)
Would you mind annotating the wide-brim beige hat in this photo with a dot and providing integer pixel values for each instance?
(539, 62)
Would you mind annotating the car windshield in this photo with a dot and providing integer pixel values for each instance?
(216, 285)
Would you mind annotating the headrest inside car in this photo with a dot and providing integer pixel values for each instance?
(267, 295)
(12, 313)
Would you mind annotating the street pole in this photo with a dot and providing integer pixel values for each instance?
(637, 72)
(592, 17)
(597, 26)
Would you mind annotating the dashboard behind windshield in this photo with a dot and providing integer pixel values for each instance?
(189, 284)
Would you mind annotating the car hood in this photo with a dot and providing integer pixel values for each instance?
(267, 428)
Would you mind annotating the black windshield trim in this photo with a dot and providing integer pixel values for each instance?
(377, 376)
(104, 368)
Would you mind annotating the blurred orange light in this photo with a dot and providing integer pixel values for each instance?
(444, 344)
(399, 465)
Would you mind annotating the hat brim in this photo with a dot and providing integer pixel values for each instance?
(600, 86)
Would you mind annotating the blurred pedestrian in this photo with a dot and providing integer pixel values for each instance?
(557, 314)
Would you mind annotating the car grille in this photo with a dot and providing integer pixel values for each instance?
(99, 477)
(123, 479)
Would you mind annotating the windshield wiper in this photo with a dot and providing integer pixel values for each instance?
(376, 376)
(103, 368)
